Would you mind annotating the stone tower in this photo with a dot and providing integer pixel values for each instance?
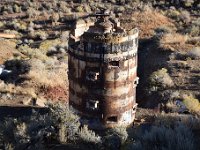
(103, 74)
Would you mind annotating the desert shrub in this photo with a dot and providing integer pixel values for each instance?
(34, 131)
(171, 119)
(188, 3)
(161, 137)
(37, 34)
(17, 25)
(88, 136)
(196, 22)
(193, 30)
(64, 8)
(47, 44)
(2, 24)
(160, 79)
(17, 9)
(115, 138)
(121, 132)
(32, 53)
(182, 64)
(54, 18)
(79, 9)
(173, 13)
(65, 120)
(119, 9)
(53, 51)
(41, 34)
(185, 17)
(194, 53)
(16, 33)
(33, 13)
(87, 8)
(26, 132)
(58, 124)
(192, 104)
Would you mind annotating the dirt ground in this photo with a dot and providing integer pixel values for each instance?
(7, 50)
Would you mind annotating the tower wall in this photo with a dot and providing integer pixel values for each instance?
(103, 77)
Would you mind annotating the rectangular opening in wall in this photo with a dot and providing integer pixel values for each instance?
(92, 75)
(92, 104)
(112, 119)
(136, 81)
(114, 64)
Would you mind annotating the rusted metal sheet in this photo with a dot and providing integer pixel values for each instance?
(103, 74)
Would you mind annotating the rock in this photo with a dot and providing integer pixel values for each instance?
(41, 102)
(26, 101)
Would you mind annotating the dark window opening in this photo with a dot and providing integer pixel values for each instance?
(112, 119)
(92, 75)
(92, 104)
(136, 81)
(114, 63)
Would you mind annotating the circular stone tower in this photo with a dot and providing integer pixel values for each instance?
(103, 74)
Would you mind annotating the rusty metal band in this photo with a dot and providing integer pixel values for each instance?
(106, 98)
(106, 67)
(101, 59)
(99, 48)
(105, 84)
(105, 110)
(107, 38)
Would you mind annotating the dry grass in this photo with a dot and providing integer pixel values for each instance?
(147, 21)
(12, 89)
(7, 50)
(173, 38)
(48, 74)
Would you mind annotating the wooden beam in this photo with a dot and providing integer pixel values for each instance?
(7, 36)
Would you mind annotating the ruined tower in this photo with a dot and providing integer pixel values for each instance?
(103, 74)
